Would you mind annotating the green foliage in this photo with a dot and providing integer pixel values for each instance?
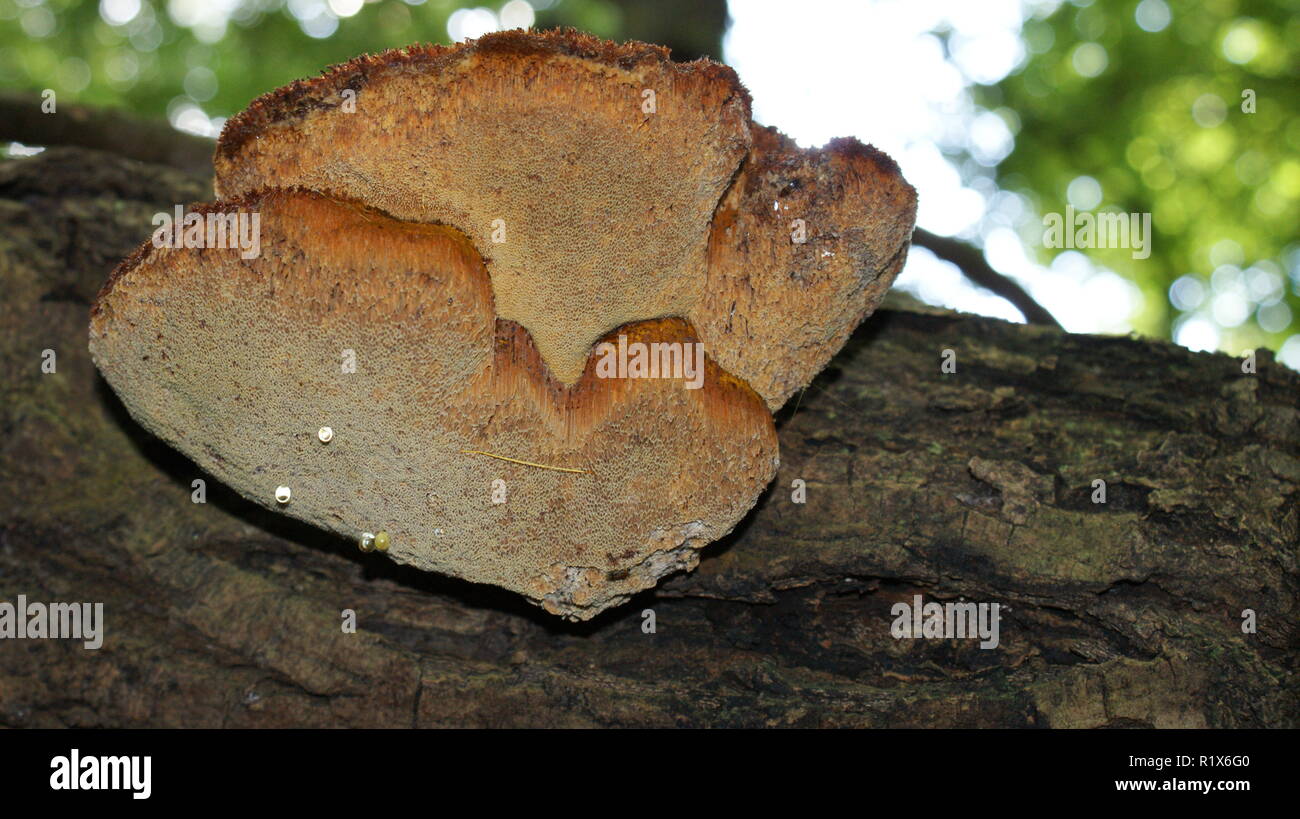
(152, 62)
(1161, 128)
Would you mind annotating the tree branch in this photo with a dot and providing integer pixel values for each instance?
(1124, 609)
(103, 129)
(970, 260)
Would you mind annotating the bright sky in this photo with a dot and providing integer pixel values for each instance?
(873, 70)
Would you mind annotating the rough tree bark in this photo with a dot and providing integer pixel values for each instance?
(976, 484)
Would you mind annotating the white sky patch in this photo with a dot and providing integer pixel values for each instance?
(1289, 354)
(346, 8)
(119, 12)
(1197, 333)
(19, 149)
(1084, 193)
(316, 18)
(517, 14)
(207, 19)
(1152, 15)
(185, 115)
(875, 70)
(470, 24)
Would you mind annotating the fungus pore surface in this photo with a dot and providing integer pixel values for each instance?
(484, 231)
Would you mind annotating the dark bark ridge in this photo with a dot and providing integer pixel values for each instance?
(972, 485)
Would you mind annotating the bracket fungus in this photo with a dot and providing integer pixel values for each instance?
(517, 244)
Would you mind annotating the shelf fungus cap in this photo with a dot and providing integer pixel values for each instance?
(544, 290)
